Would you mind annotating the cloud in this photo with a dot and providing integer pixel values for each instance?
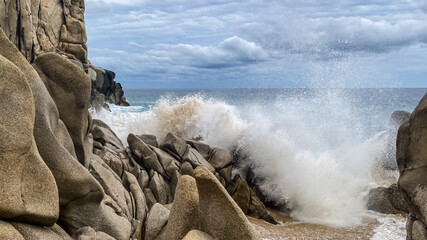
(176, 40)
(422, 4)
(231, 52)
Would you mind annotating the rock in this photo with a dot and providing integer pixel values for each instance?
(184, 214)
(88, 233)
(149, 196)
(195, 159)
(97, 101)
(202, 148)
(226, 173)
(7, 231)
(33, 232)
(197, 235)
(388, 155)
(397, 118)
(105, 135)
(103, 83)
(220, 158)
(175, 144)
(378, 200)
(187, 169)
(149, 139)
(419, 232)
(215, 201)
(147, 157)
(240, 192)
(69, 87)
(169, 163)
(156, 220)
(29, 191)
(37, 27)
(160, 189)
(411, 159)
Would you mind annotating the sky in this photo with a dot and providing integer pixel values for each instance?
(260, 43)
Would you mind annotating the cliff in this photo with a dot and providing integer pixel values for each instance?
(42, 26)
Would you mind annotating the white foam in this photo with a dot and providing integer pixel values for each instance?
(311, 151)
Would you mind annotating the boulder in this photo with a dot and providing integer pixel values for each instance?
(169, 163)
(175, 144)
(156, 220)
(146, 156)
(103, 134)
(226, 173)
(149, 196)
(202, 148)
(220, 214)
(69, 87)
(196, 159)
(197, 235)
(412, 163)
(220, 158)
(160, 189)
(34, 232)
(247, 200)
(386, 200)
(149, 139)
(29, 191)
(88, 233)
(184, 215)
(187, 169)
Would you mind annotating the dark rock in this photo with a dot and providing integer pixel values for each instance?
(220, 158)
(149, 139)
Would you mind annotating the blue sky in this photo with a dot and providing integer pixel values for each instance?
(260, 43)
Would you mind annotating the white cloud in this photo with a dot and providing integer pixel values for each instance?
(231, 52)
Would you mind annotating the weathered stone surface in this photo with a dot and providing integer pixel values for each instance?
(147, 157)
(220, 158)
(88, 233)
(7, 231)
(105, 135)
(169, 163)
(149, 139)
(419, 232)
(36, 27)
(156, 220)
(103, 83)
(197, 235)
(29, 191)
(387, 200)
(33, 232)
(187, 169)
(412, 163)
(226, 173)
(184, 214)
(149, 196)
(160, 189)
(196, 159)
(225, 216)
(202, 148)
(69, 87)
(175, 144)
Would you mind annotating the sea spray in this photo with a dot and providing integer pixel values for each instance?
(309, 148)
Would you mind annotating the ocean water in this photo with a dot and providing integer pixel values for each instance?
(317, 149)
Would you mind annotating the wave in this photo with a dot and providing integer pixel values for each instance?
(311, 151)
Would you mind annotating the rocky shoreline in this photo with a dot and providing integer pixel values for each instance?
(64, 175)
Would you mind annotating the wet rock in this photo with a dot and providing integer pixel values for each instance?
(196, 159)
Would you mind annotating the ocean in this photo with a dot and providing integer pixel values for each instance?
(317, 149)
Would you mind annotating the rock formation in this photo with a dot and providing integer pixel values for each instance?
(42, 26)
(412, 162)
